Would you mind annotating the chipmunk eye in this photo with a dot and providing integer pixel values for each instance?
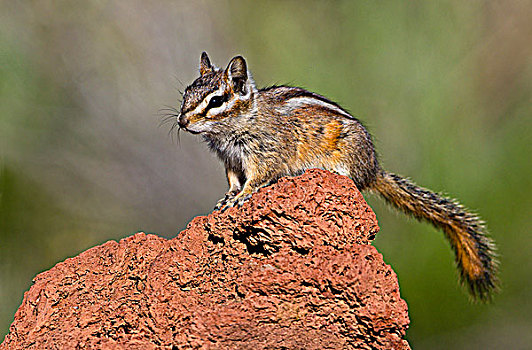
(216, 101)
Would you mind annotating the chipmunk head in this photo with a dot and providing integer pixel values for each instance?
(216, 96)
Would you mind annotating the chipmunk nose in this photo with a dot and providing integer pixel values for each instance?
(182, 121)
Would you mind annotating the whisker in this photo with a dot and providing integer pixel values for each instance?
(168, 118)
(181, 85)
(166, 110)
(171, 131)
(178, 80)
(167, 115)
(169, 108)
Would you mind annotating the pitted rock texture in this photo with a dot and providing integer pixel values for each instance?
(318, 208)
(290, 269)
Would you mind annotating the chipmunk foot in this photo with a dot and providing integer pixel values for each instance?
(236, 201)
(223, 201)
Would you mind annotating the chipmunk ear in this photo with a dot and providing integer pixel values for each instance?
(237, 73)
(205, 64)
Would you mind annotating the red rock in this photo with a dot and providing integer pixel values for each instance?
(292, 268)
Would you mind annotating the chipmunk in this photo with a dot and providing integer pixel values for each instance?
(264, 134)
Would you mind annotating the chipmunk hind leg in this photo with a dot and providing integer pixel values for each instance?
(358, 157)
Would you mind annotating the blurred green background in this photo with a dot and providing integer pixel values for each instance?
(444, 86)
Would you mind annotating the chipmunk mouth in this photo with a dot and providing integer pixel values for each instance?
(192, 131)
(195, 132)
(184, 126)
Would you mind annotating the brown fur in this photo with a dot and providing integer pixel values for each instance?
(261, 135)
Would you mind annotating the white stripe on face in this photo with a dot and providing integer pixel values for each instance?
(201, 107)
(225, 106)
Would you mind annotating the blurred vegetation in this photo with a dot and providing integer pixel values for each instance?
(445, 87)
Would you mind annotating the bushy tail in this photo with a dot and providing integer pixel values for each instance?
(474, 250)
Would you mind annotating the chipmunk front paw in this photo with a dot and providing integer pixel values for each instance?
(223, 201)
(236, 201)
(228, 196)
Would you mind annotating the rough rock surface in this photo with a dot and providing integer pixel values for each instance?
(291, 268)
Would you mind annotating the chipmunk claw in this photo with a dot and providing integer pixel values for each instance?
(236, 201)
(222, 202)
(242, 199)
